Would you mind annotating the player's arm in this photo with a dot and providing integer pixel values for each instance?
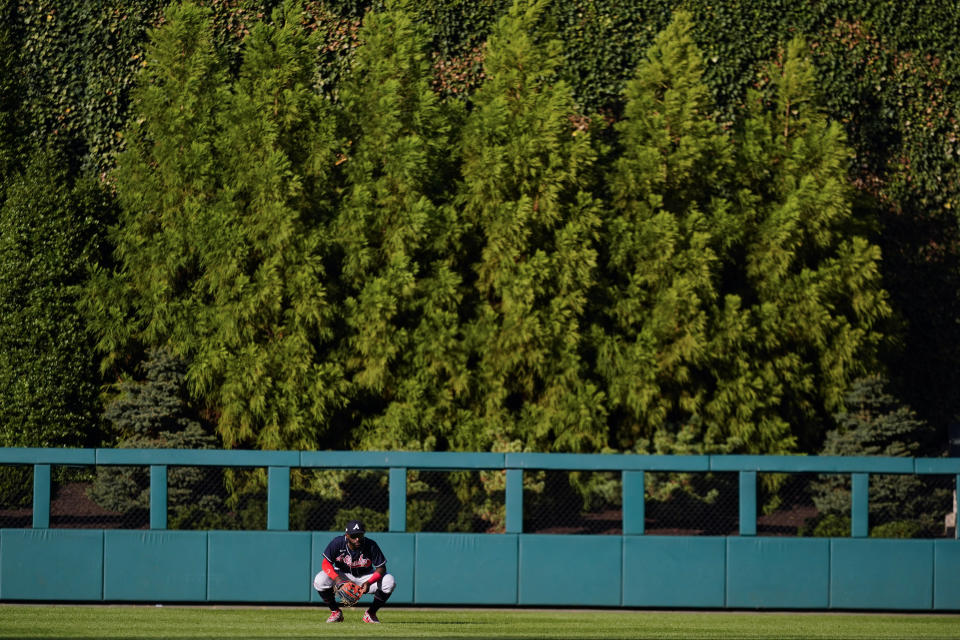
(330, 570)
(377, 574)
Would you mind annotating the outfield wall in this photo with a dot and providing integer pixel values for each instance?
(513, 568)
(482, 569)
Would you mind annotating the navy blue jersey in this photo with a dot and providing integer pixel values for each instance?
(361, 562)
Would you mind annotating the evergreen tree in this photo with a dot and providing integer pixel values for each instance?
(666, 188)
(800, 299)
(49, 235)
(226, 187)
(526, 201)
(398, 236)
(164, 180)
(871, 422)
(154, 414)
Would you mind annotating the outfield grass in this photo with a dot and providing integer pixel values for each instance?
(266, 623)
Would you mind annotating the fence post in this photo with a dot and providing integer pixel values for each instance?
(859, 511)
(633, 503)
(514, 501)
(41, 496)
(748, 503)
(278, 499)
(158, 496)
(398, 499)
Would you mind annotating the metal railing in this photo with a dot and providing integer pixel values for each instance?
(512, 485)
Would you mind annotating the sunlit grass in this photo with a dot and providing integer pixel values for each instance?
(268, 623)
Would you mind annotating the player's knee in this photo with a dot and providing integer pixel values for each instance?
(388, 583)
(322, 582)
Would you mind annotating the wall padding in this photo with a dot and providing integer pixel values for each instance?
(155, 565)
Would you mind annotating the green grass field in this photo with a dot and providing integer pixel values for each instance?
(269, 623)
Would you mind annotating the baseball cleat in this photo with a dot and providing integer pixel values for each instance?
(336, 616)
(371, 618)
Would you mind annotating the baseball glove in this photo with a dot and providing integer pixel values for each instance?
(347, 593)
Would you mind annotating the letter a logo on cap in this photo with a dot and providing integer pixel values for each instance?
(355, 527)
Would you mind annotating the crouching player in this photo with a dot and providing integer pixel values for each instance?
(355, 557)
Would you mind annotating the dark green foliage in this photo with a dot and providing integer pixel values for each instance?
(338, 29)
(873, 423)
(12, 131)
(16, 486)
(668, 204)
(77, 63)
(372, 520)
(49, 236)
(397, 236)
(604, 41)
(527, 167)
(154, 413)
(225, 184)
(802, 304)
(828, 525)
(450, 501)
(903, 529)
(400, 225)
(389, 270)
(327, 499)
(740, 298)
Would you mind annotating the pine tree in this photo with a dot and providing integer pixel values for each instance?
(226, 192)
(800, 300)
(164, 180)
(525, 198)
(871, 422)
(154, 414)
(660, 267)
(269, 308)
(398, 236)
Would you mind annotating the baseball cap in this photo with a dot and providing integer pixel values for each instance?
(355, 527)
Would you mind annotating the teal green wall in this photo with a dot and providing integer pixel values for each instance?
(166, 566)
(512, 568)
(49, 564)
(946, 575)
(782, 573)
(882, 574)
(488, 569)
(258, 566)
(570, 570)
(674, 571)
(465, 568)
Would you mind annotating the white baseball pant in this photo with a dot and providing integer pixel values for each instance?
(322, 581)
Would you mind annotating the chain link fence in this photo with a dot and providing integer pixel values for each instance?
(79, 499)
(472, 501)
(456, 501)
(326, 499)
(785, 505)
(16, 496)
(229, 498)
(911, 506)
(692, 504)
(573, 502)
(899, 506)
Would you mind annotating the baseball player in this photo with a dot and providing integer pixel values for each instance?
(355, 557)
